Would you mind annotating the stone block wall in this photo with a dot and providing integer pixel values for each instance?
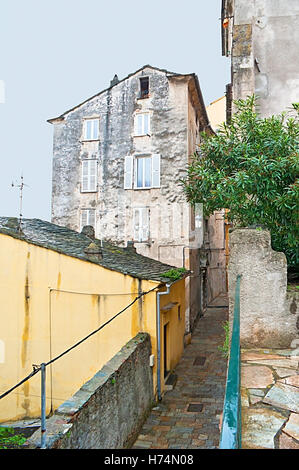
(262, 40)
(269, 314)
(108, 410)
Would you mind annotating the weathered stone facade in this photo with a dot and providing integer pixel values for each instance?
(165, 228)
(262, 38)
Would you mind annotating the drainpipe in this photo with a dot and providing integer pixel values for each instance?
(159, 340)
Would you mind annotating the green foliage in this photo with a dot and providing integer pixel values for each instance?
(225, 348)
(251, 168)
(174, 274)
(8, 438)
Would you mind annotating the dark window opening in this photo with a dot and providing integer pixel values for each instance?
(144, 87)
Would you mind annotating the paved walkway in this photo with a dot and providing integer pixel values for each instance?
(270, 399)
(188, 416)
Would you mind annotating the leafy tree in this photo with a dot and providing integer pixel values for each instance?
(251, 168)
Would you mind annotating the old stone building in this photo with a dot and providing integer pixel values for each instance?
(117, 164)
(262, 39)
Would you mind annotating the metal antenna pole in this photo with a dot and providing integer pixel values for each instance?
(21, 203)
(21, 186)
(43, 405)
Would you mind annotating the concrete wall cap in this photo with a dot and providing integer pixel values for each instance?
(251, 236)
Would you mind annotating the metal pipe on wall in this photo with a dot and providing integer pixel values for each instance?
(43, 405)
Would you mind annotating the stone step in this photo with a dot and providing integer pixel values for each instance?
(171, 381)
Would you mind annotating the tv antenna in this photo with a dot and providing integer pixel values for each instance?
(21, 187)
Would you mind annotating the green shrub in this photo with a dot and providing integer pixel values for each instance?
(250, 167)
(225, 348)
(8, 438)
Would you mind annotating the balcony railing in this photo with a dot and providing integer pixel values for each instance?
(230, 437)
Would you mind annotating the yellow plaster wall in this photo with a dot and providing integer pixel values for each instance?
(217, 112)
(50, 301)
(175, 318)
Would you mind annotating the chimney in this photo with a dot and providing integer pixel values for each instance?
(114, 81)
(93, 251)
(130, 246)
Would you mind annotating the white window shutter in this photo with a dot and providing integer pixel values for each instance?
(156, 162)
(128, 172)
(136, 122)
(144, 223)
(92, 217)
(92, 175)
(146, 123)
(89, 175)
(83, 218)
(141, 224)
(85, 175)
(136, 224)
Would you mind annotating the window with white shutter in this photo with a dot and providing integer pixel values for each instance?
(147, 171)
(143, 170)
(89, 176)
(87, 217)
(141, 224)
(142, 124)
(91, 129)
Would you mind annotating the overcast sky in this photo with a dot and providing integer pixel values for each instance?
(57, 53)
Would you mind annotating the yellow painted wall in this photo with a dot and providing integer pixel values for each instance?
(49, 301)
(175, 319)
(217, 112)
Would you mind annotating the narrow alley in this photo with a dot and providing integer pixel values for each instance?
(188, 415)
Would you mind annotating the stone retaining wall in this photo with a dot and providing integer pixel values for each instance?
(268, 312)
(108, 410)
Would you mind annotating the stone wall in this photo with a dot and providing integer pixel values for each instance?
(116, 108)
(265, 37)
(108, 410)
(268, 312)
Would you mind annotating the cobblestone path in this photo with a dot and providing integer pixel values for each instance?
(188, 416)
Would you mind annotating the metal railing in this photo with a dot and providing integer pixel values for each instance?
(230, 437)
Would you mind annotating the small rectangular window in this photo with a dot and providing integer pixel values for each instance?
(87, 217)
(91, 129)
(144, 87)
(146, 172)
(142, 124)
(89, 176)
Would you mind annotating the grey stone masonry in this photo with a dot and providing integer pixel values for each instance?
(123, 175)
(168, 136)
(262, 40)
(108, 410)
